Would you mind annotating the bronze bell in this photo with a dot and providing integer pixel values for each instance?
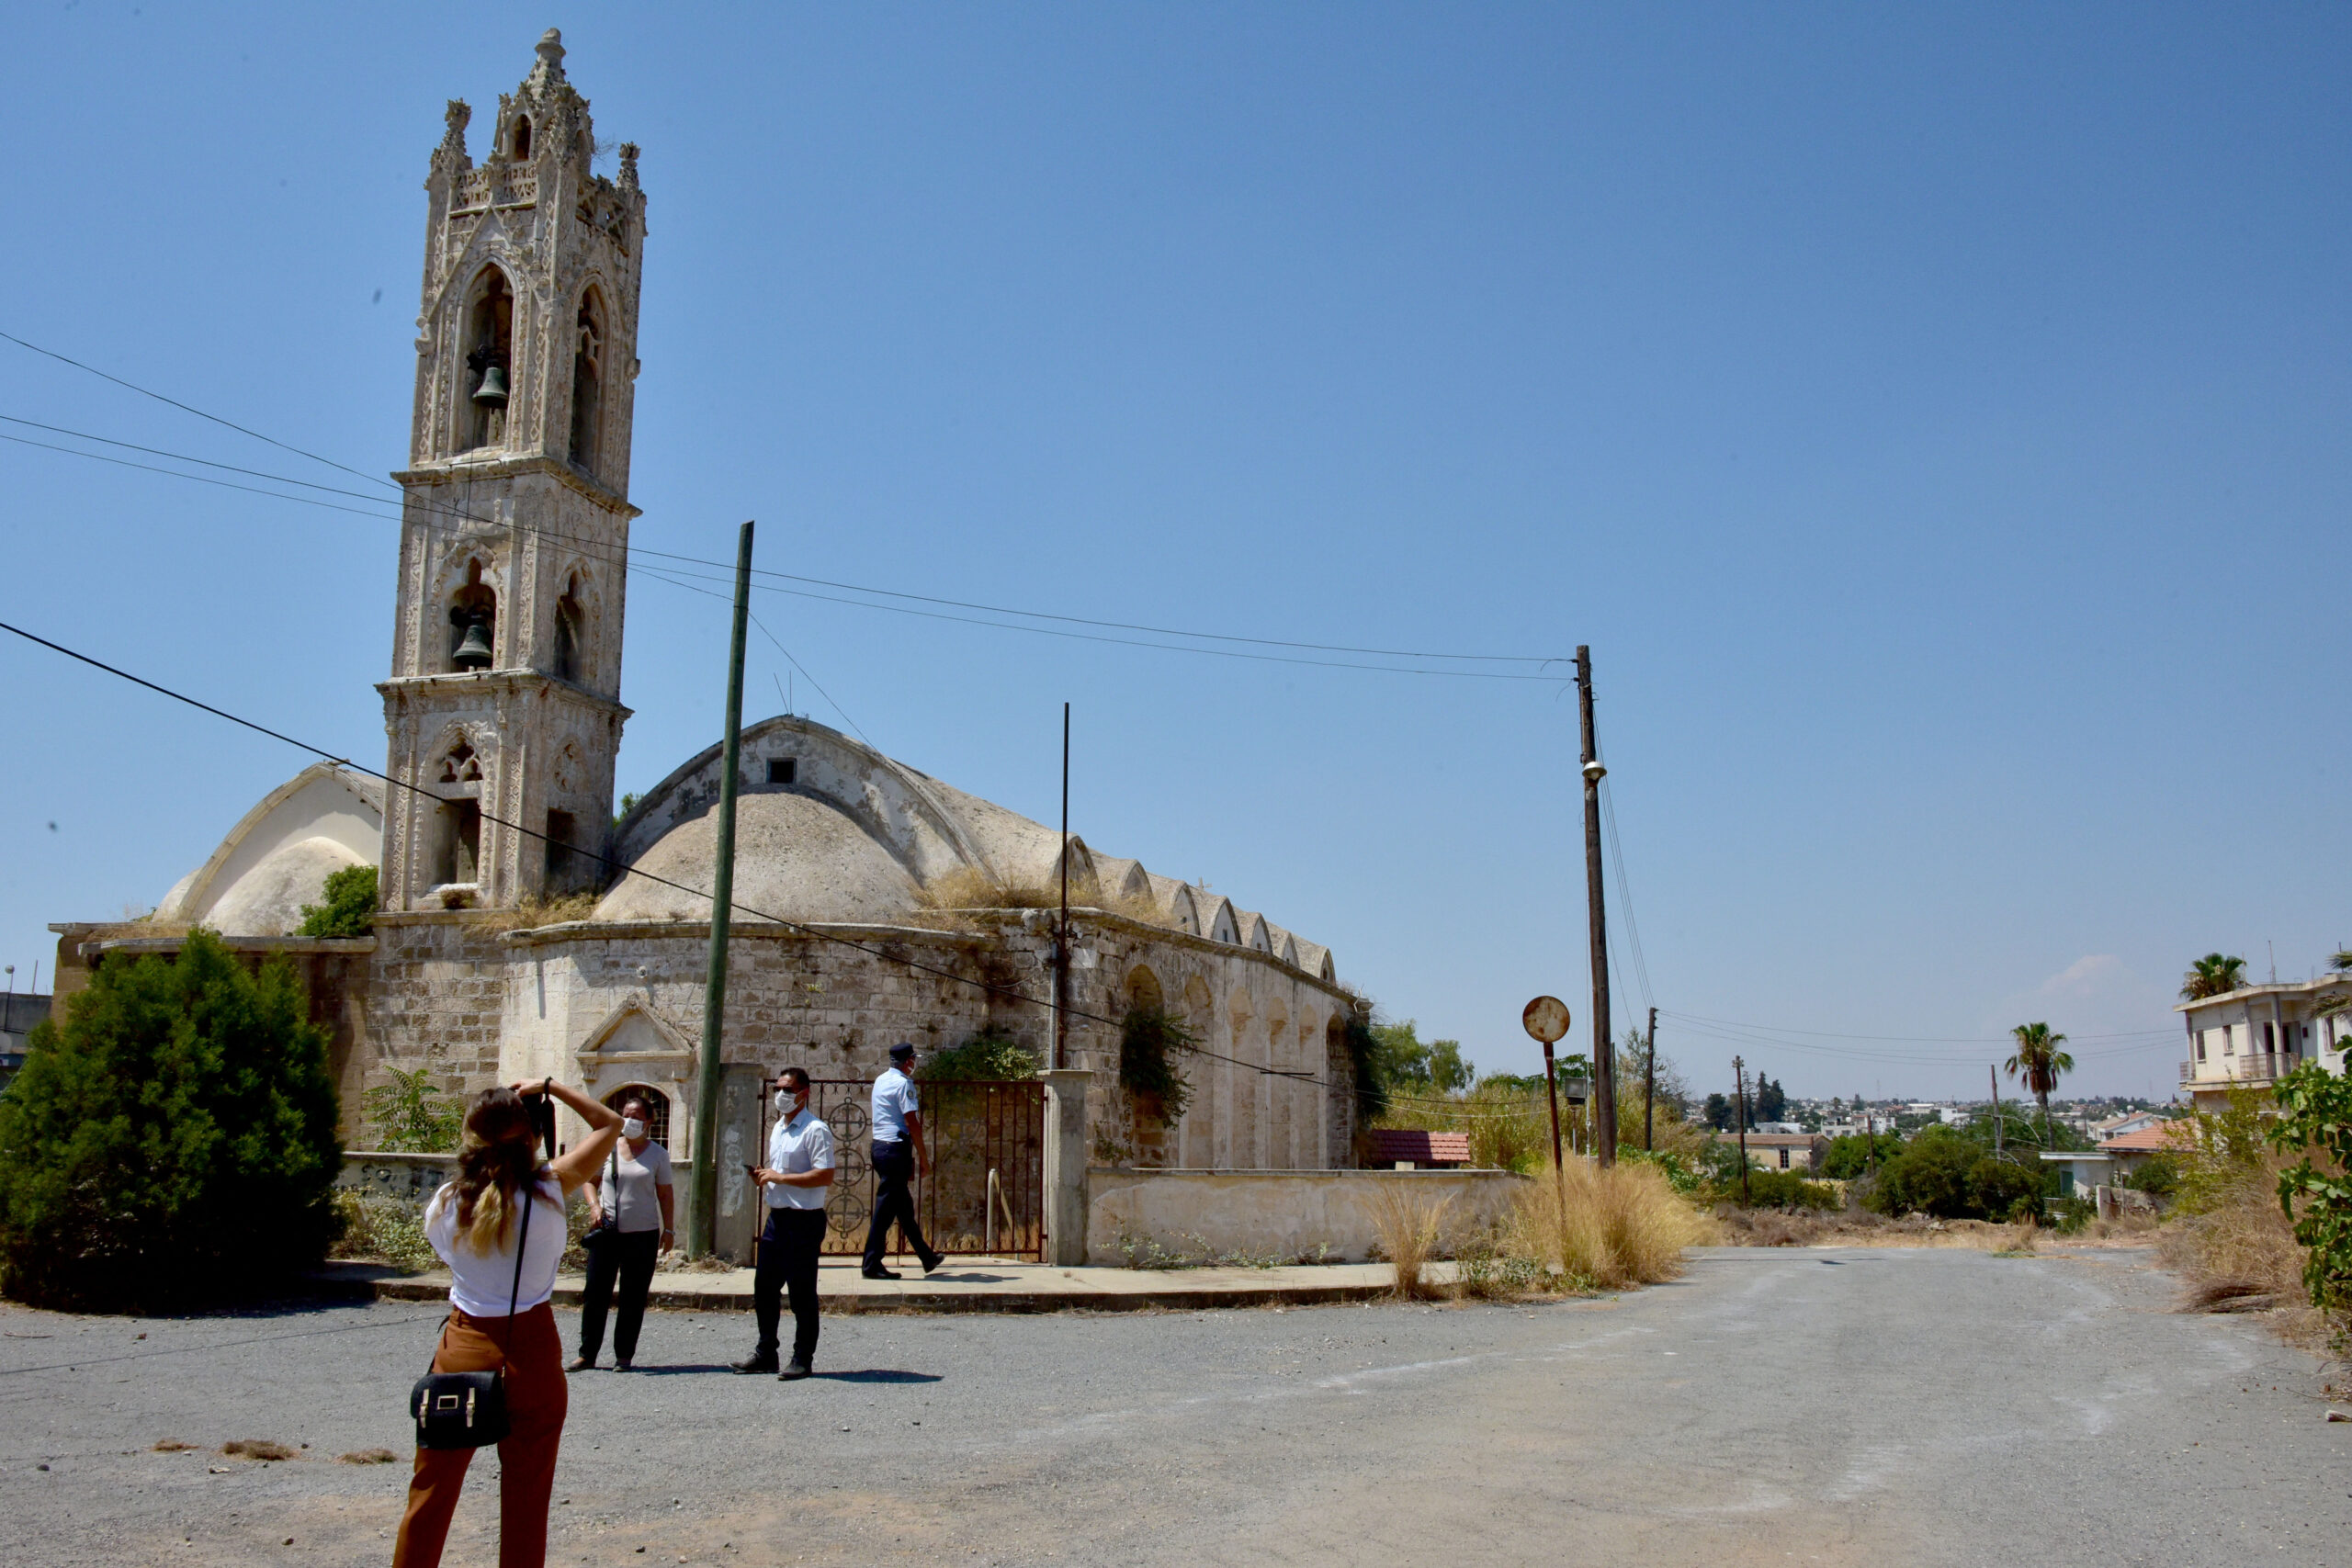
(474, 652)
(492, 393)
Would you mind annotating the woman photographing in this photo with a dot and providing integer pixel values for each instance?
(629, 1218)
(501, 1272)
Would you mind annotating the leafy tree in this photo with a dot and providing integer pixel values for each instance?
(1944, 1174)
(172, 1141)
(1768, 1103)
(350, 907)
(1779, 1188)
(1718, 1112)
(411, 1115)
(1407, 1063)
(2315, 1113)
(1851, 1156)
(2038, 1063)
(2159, 1175)
(2211, 976)
(1672, 1090)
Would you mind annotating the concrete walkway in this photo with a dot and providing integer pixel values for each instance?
(963, 1285)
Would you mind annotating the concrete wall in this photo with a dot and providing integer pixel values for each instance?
(1282, 1213)
(413, 1178)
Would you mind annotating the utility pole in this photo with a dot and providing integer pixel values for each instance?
(1061, 940)
(1604, 1051)
(1994, 1074)
(1649, 1083)
(702, 1217)
(1739, 1080)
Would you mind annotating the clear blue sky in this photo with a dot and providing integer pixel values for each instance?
(1934, 418)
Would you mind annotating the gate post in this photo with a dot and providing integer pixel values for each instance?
(1065, 1164)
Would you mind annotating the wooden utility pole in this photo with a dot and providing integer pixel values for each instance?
(1739, 1080)
(1061, 937)
(1649, 1085)
(1994, 1074)
(702, 1215)
(1604, 1050)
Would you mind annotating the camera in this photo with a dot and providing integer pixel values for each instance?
(540, 1104)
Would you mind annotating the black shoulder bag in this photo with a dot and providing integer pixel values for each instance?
(468, 1410)
(609, 1206)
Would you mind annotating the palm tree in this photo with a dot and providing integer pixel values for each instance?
(2213, 975)
(2038, 1064)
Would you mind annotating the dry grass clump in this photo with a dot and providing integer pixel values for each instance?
(367, 1456)
(2240, 1255)
(257, 1447)
(968, 887)
(532, 913)
(1409, 1225)
(1608, 1228)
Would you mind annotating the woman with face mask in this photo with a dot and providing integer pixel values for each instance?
(629, 1217)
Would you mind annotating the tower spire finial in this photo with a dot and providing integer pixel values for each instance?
(550, 53)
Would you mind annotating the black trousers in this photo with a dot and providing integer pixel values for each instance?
(894, 1170)
(788, 1249)
(625, 1259)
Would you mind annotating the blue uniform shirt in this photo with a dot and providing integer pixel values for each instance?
(894, 1099)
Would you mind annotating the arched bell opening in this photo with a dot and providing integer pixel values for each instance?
(473, 623)
(571, 634)
(588, 383)
(455, 826)
(490, 349)
(522, 137)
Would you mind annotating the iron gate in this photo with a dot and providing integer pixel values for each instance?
(985, 1192)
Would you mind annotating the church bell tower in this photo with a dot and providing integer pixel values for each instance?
(503, 707)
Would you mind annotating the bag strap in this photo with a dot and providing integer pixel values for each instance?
(522, 1244)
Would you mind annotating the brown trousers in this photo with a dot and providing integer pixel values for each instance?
(536, 1397)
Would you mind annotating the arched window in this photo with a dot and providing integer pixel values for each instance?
(457, 822)
(522, 137)
(588, 383)
(489, 348)
(474, 605)
(571, 628)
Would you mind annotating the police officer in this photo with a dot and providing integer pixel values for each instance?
(798, 1170)
(899, 1155)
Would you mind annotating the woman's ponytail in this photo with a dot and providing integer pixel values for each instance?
(497, 1160)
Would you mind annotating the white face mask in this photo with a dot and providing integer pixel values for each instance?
(782, 1101)
(632, 1127)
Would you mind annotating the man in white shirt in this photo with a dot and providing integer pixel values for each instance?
(799, 1171)
(898, 1154)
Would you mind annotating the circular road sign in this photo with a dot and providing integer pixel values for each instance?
(1546, 1019)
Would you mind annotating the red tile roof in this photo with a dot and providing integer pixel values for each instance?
(2162, 1138)
(1389, 1146)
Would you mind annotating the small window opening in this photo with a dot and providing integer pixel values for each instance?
(587, 384)
(568, 622)
(784, 769)
(473, 622)
(462, 766)
(522, 137)
(490, 348)
(458, 843)
(564, 861)
(655, 1101)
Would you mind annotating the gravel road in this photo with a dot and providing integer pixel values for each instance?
(1887, 1407)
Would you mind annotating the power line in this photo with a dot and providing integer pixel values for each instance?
(1013, 992)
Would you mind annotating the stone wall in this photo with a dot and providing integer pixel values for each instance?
(411, 1179)
(1285, 1214)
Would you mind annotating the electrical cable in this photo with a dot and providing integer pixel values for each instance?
(1011, 992)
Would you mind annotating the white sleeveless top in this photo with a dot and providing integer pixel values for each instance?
(482, 1283)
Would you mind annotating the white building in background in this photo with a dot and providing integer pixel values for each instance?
(2258, 1034)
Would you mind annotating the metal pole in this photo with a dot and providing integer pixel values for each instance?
(1739, 1077)
(1551, 1087)
(1649, 1083)
(1994, 1074)
(701, 1217)
(1061, 937)
(1604, 1051)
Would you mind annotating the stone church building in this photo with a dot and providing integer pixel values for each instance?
(503, 711)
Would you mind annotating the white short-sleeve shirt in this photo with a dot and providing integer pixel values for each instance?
(483, 1284)
(894, 1099)
(640, 1208)
(802, 1144)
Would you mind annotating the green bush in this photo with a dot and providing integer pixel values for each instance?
(1856, 1153)
(2159, 1176)
(990, 1055)
(1777, 1190)
(1147, 1038)
(1678, 1172)
(2316, 1115)
(1939, 1172)
(350, 907)
(383, 1230)
(410, 1115)
(172, 1141)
